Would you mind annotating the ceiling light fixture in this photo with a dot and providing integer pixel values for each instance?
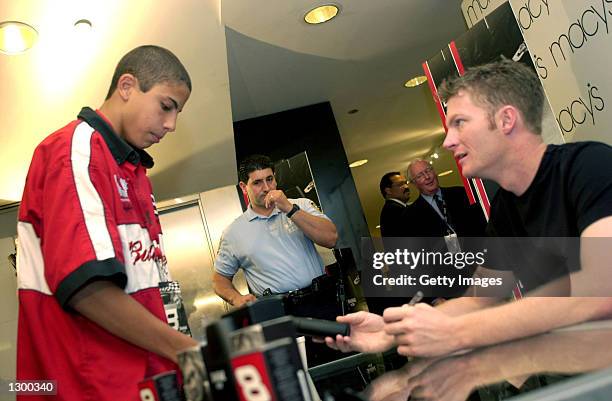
(16, 37)
(447, 172)
(416, 81)
(83, 25)
(358, 163)
(321, 14)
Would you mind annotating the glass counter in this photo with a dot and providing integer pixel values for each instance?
(574, 363)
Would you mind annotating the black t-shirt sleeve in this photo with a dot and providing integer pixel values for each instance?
(590, 183)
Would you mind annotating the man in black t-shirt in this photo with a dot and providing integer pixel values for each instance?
(494, 115)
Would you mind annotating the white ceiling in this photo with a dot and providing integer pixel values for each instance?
(274, 62)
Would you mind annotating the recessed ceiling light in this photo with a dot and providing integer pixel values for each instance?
(353, 111)
(16, 37)
(416, 81)
(358, 163)
(447, 172)
(321, 14)
(83, 25)
(378, 226)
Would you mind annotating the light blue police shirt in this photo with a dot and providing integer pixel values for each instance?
(273, 252)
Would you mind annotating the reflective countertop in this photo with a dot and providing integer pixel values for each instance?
(574, 363)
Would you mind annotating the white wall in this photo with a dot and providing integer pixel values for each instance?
(39, 94)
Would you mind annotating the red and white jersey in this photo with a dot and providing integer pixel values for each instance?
(87, 214)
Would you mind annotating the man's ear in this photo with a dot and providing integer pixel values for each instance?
(507, 118)
(126, 84)
(243, 187)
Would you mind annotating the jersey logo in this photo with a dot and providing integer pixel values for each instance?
(142, 253)
(122, 188)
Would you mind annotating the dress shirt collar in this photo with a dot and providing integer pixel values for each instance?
(430, 198)
(398, 201)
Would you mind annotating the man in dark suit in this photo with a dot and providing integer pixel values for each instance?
(394, 188)
(438, 212)
(393, 223)
(444, 213)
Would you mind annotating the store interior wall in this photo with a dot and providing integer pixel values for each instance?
(39, 95)
(8, 297)
(8, 310)
(8, 222)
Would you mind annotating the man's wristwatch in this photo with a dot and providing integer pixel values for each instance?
(293, 210)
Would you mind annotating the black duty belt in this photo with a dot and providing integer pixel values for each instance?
(303, 294)
(300, 294)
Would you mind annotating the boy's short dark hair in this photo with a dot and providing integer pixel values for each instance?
(500, 83)
(151, 65)
(253, 163)
(385, 182)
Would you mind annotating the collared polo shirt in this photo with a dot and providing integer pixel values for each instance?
(87, 214)
(273, 252)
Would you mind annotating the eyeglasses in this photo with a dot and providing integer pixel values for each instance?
(420, 176)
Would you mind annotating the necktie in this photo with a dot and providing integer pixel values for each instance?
(441, 206)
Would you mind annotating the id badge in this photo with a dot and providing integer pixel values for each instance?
(452, 243)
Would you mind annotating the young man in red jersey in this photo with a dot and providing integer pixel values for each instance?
(90, 244)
